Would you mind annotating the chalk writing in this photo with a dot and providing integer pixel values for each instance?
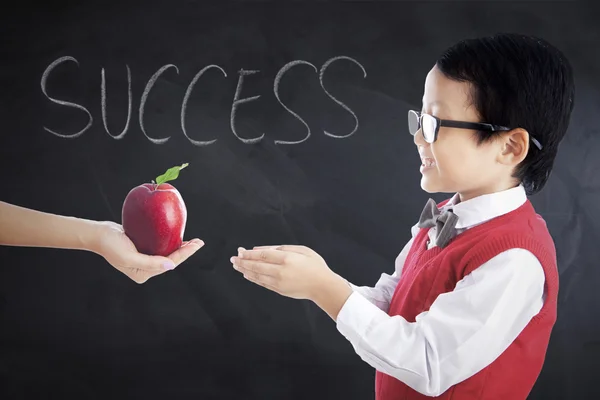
(188, 93)
(323, 68)
(62, 102)
(237, 101)
(149, 86)
(103, 104)
(276, 90)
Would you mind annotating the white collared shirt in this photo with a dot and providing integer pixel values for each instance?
(464, 330)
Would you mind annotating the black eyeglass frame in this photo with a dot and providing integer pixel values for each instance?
(461, 125)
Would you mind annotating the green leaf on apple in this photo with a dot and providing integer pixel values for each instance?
(171, 174)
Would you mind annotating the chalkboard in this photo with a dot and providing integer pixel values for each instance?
(292, 117)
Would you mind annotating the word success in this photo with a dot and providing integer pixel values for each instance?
(237, 100)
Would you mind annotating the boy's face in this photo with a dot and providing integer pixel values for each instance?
(454, 162)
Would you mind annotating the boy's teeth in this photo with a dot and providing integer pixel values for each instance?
(429, 162)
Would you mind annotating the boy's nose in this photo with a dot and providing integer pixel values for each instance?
(419, 139)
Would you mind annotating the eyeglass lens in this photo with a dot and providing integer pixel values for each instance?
(427, 124)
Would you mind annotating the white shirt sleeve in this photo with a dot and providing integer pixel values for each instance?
(381, 294)
(463, 331)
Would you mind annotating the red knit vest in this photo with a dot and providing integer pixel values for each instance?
(428, 273)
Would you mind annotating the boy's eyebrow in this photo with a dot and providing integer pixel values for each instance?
(441, 105)
(438, 103)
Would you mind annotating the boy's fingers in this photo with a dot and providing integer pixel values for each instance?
(292, 248)
(297, 249)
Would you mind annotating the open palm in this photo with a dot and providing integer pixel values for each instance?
(120, 252)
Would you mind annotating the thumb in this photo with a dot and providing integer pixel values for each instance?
(185, 252)
(297, 249)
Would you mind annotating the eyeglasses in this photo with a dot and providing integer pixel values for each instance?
(430, 126)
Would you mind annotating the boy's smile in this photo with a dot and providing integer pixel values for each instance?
(426, 163)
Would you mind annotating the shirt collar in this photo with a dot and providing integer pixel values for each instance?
(488, 206)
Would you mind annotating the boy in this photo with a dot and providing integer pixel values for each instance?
(469, 309)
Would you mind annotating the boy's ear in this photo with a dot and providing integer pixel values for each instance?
(515, 146)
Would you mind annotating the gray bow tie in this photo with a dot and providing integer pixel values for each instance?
(445, 222)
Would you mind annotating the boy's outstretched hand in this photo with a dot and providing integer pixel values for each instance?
(114, 245)
(294, 271)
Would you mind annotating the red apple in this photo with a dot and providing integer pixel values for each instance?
(154, 215)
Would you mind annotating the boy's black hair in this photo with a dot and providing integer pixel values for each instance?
(517, 81)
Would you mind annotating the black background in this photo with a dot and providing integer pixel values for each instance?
(70, 324)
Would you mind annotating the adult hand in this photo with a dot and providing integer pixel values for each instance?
(113, 244)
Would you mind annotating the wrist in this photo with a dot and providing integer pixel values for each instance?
(331, 294)
(89, 235)
(321, 285)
